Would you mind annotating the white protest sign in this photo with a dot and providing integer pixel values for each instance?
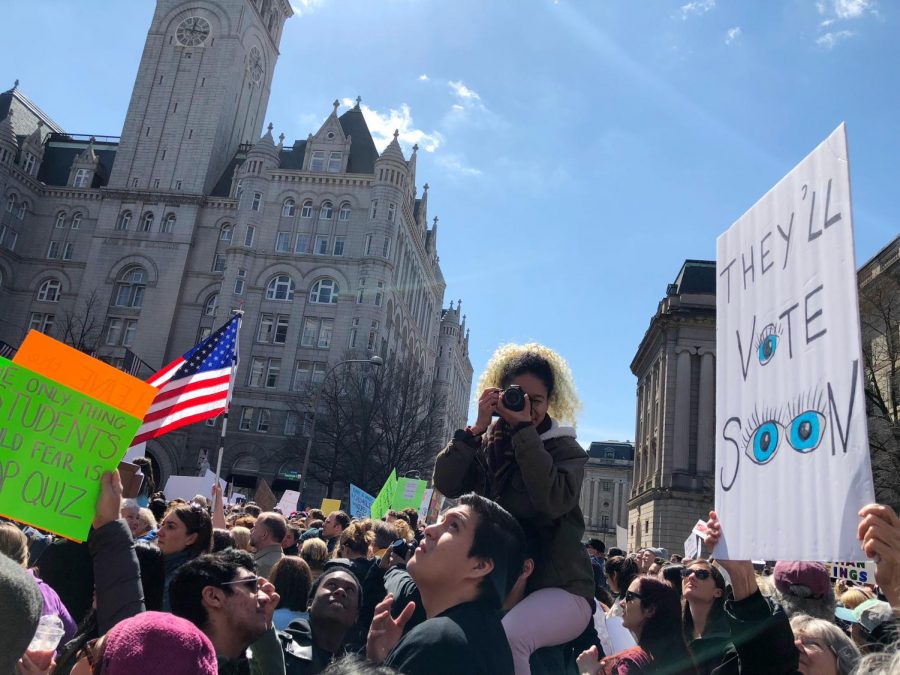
(186, 487)
(426, 500)
(792, 455)
(288, 502)
(621, 538)
(236, 497)
(692, 547)
(860, 572)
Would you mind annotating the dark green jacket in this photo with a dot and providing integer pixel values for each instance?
(542, 490)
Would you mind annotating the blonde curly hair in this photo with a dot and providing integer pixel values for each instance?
(511, 360)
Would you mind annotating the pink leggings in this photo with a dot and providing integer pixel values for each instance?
(550, 616)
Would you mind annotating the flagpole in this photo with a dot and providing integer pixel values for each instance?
(231, 380)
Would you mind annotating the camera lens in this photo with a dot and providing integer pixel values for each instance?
(514, 398)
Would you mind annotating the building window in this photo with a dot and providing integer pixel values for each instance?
(134, 181)
(257, 199)
(302, 245)
(327, 211)
(10, 203)
(354, 329)
(301, 375)
(42, 322)
(321, 245)
(49, 291)
(283, 242)
(392, 211)
(76, 220)
(373, 336)
(211, 305)
(280, 288)
(344, 213)
(338, 246)
(317, 163)
(273, 370)
(306, 211)
(68, 250)
(28, 163)
(226, 232)
(178, 185)
(287, 209)
(324, 292)
(53, 250)
(361, 293)
(11, 241)
(266, 325)
(219, 263)
(81, 178)
(124, 221)
(290, 423)
(248, 236)
(246, 418)
(334, 162)
(146, 222)
(604, 522)
(606, 486)
(23, 206)
(168, 225)
(367, 249)
(239, 282)
(130, 288)
(239, 189)
(317, 333)
(386, 248)
(257, 370)
(60, 220)
(281, 329)
(114, 332)
(379, 295)
(646, 526)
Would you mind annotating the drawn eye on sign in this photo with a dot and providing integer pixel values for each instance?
(768, 343)
(801, 425)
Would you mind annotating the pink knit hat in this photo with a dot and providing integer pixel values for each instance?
(156, 643)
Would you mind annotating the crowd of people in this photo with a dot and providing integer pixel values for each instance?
(502, 583)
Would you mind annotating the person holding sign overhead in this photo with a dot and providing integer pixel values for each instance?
(532, 467)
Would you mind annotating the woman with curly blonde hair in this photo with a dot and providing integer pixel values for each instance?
(533, 467)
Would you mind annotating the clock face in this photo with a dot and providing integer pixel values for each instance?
(193, 31)
(254, 65)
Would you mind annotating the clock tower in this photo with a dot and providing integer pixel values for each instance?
(201, 90)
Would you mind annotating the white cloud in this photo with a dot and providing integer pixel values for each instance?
(829, 40)
(383, 124)
(733, 35)
(851, 9)
(820, 7)
(302, 7)
(826, 23)
(697, 7)
(463, 92)
(423, 77)
(455, 164)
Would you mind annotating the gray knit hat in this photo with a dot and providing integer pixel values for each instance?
(22, 603)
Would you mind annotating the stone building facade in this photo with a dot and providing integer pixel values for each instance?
(674, 438)
(606, 489)
(148, 241)
(453, 371)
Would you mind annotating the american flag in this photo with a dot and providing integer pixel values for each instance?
(195, 387)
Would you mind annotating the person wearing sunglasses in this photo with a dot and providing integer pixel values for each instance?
(653, 615)
(706, 628)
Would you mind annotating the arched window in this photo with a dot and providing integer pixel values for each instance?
(49, 291)
(146, 222)
(239, 190)
(76, 221)
(226, 232)
(280, 288)
(167, 226)
(23, 207)
(11, 203)
(306, 210)
(326, 211)
(130, 287)
(124, 220)
(60, 220)
(345, 211)
(212, 304)
(287, 209)
(324, 292)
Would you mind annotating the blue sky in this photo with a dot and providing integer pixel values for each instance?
(577, 151)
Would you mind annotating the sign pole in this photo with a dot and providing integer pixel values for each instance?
(234, 367)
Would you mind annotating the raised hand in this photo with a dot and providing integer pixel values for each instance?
(109, 504)
(386, 631)
(879, 532)
(743, 578)
(487, 404)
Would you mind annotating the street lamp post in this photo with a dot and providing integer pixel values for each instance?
(372, 360)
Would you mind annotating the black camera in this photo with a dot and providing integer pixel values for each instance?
(400, 548)
(513, 398)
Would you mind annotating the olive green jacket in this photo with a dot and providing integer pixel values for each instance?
(541, 489)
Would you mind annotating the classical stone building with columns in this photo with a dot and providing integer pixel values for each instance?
(147, 241)
(674, 438)
(606, 489)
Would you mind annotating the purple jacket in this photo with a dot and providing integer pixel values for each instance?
(53, 605)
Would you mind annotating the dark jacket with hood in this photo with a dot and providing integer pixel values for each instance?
(541, 488)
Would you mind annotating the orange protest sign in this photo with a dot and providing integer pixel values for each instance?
(85, 374)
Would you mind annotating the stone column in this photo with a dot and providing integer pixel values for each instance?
(681, 423)
(617, 497)
(706, 415)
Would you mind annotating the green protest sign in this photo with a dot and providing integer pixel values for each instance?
(55, 443)
(408, 494)
(382, 503)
